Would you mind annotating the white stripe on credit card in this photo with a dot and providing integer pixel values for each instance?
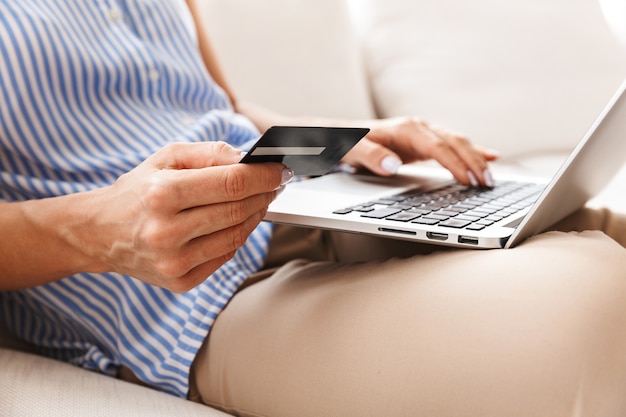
(288, 150)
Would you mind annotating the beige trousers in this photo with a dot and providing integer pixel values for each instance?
(538, 330)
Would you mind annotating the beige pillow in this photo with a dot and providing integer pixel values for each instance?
(298, 57)
(525, 76)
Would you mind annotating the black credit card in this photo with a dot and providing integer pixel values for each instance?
(311, 151)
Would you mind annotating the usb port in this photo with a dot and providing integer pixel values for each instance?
(437, 236)
(469, 240)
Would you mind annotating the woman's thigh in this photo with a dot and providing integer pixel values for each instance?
(532, 331)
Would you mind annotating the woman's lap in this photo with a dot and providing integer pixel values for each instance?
(535, 330)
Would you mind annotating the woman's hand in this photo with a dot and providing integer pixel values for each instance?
(392, 142)
(183, 213)
(171, 221)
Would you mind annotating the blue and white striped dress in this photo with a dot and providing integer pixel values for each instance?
(89, 89)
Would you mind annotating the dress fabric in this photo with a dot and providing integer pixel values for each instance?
(88, 90)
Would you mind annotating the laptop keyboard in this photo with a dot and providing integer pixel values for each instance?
(457, 206)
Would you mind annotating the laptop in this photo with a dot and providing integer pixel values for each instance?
(437, 210)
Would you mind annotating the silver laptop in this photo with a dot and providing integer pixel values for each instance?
(439, 211)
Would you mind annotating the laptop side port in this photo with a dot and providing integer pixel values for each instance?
(468, 240)
(437, 236)
(402, 232)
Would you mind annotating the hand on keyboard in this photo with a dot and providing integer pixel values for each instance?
(392, 142)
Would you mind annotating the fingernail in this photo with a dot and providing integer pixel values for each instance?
(286, 176)
(472, 179)
(488, 178)
(390, 164)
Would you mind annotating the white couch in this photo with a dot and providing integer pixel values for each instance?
(524, 77)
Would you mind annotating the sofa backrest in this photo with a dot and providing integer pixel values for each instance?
(522, 77)
(298, 57)
(518, 76)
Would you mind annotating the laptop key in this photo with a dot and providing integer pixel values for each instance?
(457, 224)
(424, 220)
(446, 212)
(403, 217)
(363, 209)
(436, 216)
(387, 201)
(467, 218)
(494, 218)
(381, 213)
(402, 206)
(475, 227)
(455, 209)
(475, 214)
(417, 211)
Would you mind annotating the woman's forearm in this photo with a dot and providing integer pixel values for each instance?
(44, 240)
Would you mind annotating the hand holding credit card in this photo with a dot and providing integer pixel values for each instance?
(310, 151)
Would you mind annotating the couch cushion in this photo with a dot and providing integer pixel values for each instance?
(31, 385)
(298, 57)
(521, 77)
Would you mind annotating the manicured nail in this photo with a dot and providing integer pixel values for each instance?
(488, 178)
(472, 179)
(287, 176)
(390, 164)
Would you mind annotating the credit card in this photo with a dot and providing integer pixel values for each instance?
(310, 151)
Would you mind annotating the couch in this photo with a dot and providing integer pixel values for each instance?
(526, 78)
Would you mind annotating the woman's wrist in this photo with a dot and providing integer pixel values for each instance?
(47, 239)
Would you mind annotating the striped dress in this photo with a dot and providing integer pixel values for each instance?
(88, 90)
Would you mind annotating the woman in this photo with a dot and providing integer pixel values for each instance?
(129, 229)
